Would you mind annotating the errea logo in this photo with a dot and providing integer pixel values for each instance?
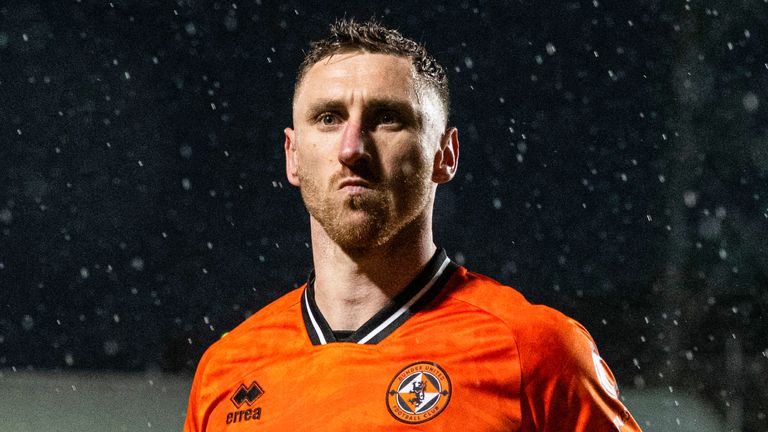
(245, 396)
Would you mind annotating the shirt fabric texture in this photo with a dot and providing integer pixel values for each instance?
(454, 351)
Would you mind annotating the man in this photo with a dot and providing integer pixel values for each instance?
(388, 333)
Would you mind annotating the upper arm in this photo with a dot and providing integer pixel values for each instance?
(197, 410)
(566, 385)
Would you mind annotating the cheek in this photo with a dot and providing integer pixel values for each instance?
(313, 161)
(413, 165)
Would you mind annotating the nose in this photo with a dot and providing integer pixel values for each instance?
(352, 150)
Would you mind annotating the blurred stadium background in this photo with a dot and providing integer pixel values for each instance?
(614, 165)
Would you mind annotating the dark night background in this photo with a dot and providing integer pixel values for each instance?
(614, 165)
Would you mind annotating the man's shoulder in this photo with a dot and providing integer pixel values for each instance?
(540, 332)
(282, 314)
(272, 311)
(563, 380)
(527, 321)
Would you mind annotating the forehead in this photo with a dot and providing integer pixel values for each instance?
(358, 74)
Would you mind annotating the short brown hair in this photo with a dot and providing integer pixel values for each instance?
(348, 35)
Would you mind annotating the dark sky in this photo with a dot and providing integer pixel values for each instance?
(613, 165)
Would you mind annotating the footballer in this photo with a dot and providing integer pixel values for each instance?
(387, 333)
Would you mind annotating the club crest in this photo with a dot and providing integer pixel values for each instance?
(419, 392)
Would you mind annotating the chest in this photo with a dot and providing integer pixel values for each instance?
(406, 383)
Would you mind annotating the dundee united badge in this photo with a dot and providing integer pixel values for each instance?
(419, 392)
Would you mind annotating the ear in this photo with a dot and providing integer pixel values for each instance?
(291, 158)
(447, 157)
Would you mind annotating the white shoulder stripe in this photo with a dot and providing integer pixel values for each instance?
(404, 308)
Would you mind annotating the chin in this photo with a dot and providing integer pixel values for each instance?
(361, 233)
(361, 222)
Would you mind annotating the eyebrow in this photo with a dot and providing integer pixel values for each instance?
(397, 106)
(377, 104)
(323, 105)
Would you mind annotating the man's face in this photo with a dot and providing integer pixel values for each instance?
(363, 147)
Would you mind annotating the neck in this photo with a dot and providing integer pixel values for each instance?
(351, 286)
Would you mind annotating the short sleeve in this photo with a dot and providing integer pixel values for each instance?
(197, 409)
(566, 385)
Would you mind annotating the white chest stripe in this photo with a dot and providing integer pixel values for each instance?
(400, 311)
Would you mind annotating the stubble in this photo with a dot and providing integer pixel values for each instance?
(371, 219)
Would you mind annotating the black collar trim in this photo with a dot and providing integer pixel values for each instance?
(423, 289)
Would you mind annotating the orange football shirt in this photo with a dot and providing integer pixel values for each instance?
(454, 351)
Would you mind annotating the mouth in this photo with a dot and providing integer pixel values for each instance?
(354, 185)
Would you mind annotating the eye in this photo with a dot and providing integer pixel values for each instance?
(388, 118)
(327, 119)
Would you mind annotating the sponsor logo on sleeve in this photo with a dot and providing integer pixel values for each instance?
(604, 376)
(419, 392)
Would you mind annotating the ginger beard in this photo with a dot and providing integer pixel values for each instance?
(373, 218)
